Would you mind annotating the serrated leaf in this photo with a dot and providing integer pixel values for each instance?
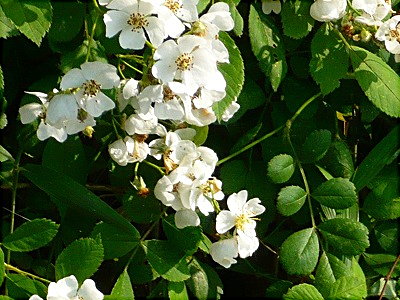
(299, 252)
(267, 46)
(31, 17)
(122, 289)
(290, 200)
(7, 27)
(31, 235)
(337, 193)
(2, 267)
(281, 168)
(316, 145)
(81, 258)
(202, 5)
(25, 285)
(177, 291)
(387, 235)
(237, 18)
(303, 291)
(167, 262)
(116, 243)
(330, 61)
(378, 81)
(329, 269)
(296, 19)
(376, 160)
(233, 73)
(382, 263)
(70, 193)
(338, 160)
(345, 236)
(348, 287)
(5, 155)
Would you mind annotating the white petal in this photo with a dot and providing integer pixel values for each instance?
(171, 109)
(188, 42)
(129, 39)
(45, 131)
(168, 51)
(61, 108)
(230, 111)
(224, 252)
(225, 221)
(88, 291)
(164, 70)
(103, 73)
(30, 112)
(42, 96)
(247, 245)
(35, 297)
(173, 26)
(131, 88)
(98, 104)
(155, 30)
(186, 217)
(126, 5)
(236, 201)
(66, 287)
(73, 79)
(253, 207)
(118, 152)
(115, 22)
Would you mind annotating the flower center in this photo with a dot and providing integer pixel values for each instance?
(168, 94)
(137, 21)
(184, 62)
(241, 221)
(395, 33)
(91, 88)
(173, 5)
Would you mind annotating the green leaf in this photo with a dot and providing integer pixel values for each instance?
(382, 154)
(7, 27)
(116, 243)
(382, 263)
(177, 291)
(31, 235)
(237, 18)
(316, 145)
(378, 81)
(290, 200)
(122, 289)
(2, 267)
(201, 134)
(70, 193)
(346, 236)
(81, 258)
(281, 168)
(142, 209)
(348, 287)
(267, 46)
(31, 17)
(330, 61)
(204, 282)
(202, 5)
(296, 19)
(233, 73)
(67, 20)
(67, 158)
(299, 252)
(77, 57)
(5, 155)
(329, 269)
(303, 291)
(387, 235)
(277, 289)
(167, 262)
(21, 287)
(247, 138)
(338, 160)
(337, 193)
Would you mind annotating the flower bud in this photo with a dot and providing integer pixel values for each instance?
(365, 35)
(88, 131)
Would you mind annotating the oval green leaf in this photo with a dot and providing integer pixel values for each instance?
(290, 200)
(303, 291)
(337, 193)
(281, 168)
(316, 145)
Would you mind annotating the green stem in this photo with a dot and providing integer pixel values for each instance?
(303, 174)
(269, 134)
(119, 69)
(136, 58)
(155, 167)
(341, 36)
(132, 67)
(91, 37)
(33, 276)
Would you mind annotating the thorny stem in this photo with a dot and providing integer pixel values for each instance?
(12, 268)
(269, 134)
(303, 174)
(388, 276)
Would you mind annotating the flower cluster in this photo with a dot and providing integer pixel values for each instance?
(67, 289)
(371, 15)
(176, 89)
(74, 108)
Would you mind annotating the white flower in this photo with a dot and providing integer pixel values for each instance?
(240, 215)
(128, 151)
(389, 32)
(142, 123)
(374, 11)
(224, 252)
(186, 217)
(247, 244)
(127, 93)
(190, 60)
(90, 79)
(134, 19)
(67, 289)
(173, 12)
(328, 10)
(230, 111)
(269, 6)
(218, 18)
